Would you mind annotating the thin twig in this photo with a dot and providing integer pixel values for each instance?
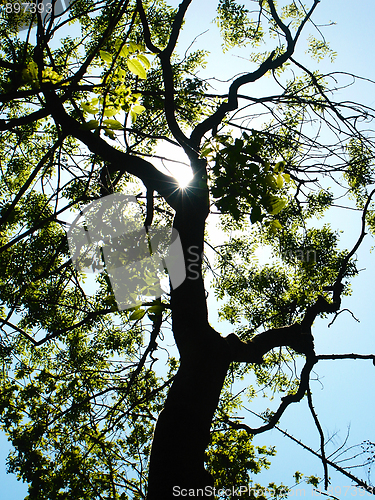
(321, 434)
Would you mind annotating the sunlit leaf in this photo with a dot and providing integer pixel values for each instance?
(106, 56)
(113, 124)
(138, 314)
(136, 68)
(279, 181)
(144, 60)
(110, 111)
(138, 109)
(89, 109)
(124, 52)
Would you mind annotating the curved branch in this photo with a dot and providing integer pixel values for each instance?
(165, 59)
(286, 400)
(339, 312)
(358, 243)
(176, 27)
(293, 336)
(269, 64)
(146, 29)
(19, 330)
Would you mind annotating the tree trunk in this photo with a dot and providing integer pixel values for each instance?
(182, 431)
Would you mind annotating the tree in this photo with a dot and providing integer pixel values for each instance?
(81, 120)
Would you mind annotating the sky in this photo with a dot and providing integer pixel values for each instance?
(343, 389)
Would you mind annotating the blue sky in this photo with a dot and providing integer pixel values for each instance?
(343, 396)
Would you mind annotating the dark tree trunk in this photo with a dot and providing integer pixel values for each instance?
(182, 431)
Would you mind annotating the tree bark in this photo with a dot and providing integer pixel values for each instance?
(182, 431)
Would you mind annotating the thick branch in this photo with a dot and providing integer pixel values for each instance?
(23, 120)
(293, 336)
(118, 160)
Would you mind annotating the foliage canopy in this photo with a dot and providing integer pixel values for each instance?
(90, 96)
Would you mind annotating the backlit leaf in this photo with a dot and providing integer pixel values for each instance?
(89, 109)
(138, 109)
(110, 111)
(144, 60)
(113, 124)
(136, 68)
(106, 56)
(138, 314)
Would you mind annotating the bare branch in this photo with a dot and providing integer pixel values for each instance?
(270, 63)
(321, 434)
(339, 312)
(355, 479)
(287, 400)
(346, 356)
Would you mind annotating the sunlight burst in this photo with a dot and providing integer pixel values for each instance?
(173, 161)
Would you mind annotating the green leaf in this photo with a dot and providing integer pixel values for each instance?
(109, 133)
(124, 52)
(279, 167)
(271, 181)
(110, 111)
(314, 480)
(90, 125)
(275, 226)
(30, 73)
(133, 47)
(106, 56)
(206, 151)
(113, 124)
(138, 314)
(155, 309)
(279, 181)
(88, 109)
(276, 205)
(136, 68)
(144, 60)
(138, 109)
